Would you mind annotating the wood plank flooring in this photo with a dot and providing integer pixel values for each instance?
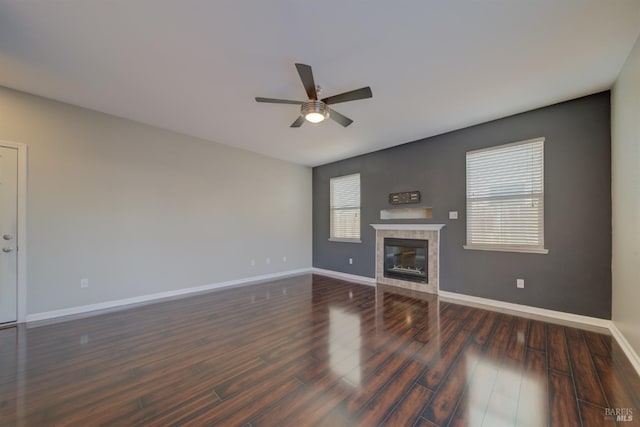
(312, 350)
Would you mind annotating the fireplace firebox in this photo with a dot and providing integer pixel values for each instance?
(406, 259)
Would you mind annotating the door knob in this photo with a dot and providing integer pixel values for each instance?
(7, 236)
(7, 249)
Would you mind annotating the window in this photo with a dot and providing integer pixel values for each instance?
(345, 208)
(505, 197)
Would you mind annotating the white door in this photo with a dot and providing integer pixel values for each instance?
(8, 230)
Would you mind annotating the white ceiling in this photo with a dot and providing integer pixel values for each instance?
(195, 66)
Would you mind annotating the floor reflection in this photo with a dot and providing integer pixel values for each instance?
(345, 344)
(310, 351)
(502, 395)
(420, 311)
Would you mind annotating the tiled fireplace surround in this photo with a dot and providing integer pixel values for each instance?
(430, 232)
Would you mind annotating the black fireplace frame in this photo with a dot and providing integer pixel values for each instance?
(408, 243)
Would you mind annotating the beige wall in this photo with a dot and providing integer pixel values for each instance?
(626, 199)
(139, 210)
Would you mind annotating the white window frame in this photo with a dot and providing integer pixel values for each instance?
(539, 248)
(343, 239)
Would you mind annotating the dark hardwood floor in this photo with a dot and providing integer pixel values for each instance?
(312, 351)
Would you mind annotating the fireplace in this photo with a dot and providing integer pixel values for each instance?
(406, 259)
(421, 240)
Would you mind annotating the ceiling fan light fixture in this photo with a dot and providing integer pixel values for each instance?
(315, 111)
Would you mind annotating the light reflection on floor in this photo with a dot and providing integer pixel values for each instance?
(344, 344)
(501, 395)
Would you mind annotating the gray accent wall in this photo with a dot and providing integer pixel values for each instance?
(574, 277)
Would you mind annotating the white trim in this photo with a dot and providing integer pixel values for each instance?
(527, 309)
(506, 249)
(351, 178)
(22, 226)
(516, 309)
(370, 281)
(469, 201)
(412, 227)
(162, 295)
(549, 315)
(439, 264)
(344, 240)
(626, 347)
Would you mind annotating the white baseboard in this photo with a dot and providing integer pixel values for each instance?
(626, 347)
(593, 323)
(549, 315)
(47, 315)
(345, 276)
(520, 309)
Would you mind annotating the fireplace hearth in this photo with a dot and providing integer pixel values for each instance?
(406, 259)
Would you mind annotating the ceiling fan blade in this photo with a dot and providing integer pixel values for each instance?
(278, 101)
(362, 93)
(343, 120)
(306, 75)
(299, 121)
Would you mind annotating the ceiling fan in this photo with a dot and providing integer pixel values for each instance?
(316, 110)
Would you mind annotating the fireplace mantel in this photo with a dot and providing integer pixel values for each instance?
(412, 227)
(429, 232)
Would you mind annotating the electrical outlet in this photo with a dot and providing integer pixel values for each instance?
(252, 263)
(453, 214)
(268, 260)
(284, 258)
(520, 283)
(84, 283)
(350, 260)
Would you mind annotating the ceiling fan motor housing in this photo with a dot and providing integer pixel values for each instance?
(315, 111)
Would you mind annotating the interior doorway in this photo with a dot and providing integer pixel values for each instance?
(12, 213)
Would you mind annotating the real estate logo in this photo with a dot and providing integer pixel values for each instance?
(619, 414)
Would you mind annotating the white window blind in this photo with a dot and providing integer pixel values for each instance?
(505, 197)
(345, 208)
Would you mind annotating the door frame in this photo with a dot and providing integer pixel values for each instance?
(21, 241)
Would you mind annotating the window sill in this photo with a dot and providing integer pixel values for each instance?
(507, 249)
(338, 239)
